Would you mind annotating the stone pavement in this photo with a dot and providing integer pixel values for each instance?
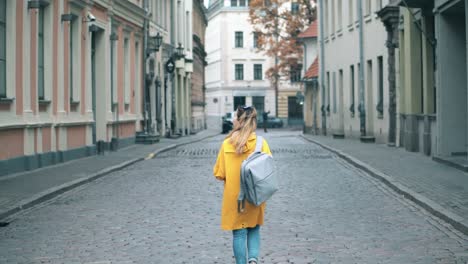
(167, 210)
(441, 189)
(22, 190)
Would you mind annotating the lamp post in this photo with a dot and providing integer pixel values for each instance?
(151, 45)
(177, 55)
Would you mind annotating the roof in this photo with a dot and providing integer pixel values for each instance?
(310, 32)
(312, 72)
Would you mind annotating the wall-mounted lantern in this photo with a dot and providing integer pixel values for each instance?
(180, 51)
(154, 43)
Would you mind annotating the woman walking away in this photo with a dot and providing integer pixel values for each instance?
(245, 225)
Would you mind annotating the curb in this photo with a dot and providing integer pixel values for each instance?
(57, 190)
(432, 207)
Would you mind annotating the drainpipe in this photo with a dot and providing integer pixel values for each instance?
(322, 69)
(362, 108)
(145, 48)
(304, 68)
(173, 102)
(116, 129)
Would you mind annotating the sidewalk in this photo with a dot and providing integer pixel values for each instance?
(23, 190)
(440, 189)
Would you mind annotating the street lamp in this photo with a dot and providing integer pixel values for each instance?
(152, 45)
(180, 51)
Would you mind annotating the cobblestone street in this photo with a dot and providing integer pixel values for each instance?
(167, 210)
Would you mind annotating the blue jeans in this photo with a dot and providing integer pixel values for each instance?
(246, 240)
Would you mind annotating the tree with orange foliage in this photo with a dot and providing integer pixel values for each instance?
(277, 24)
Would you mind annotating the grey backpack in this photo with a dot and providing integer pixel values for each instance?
(258, 178)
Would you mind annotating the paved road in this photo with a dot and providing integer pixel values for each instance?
(166, 210)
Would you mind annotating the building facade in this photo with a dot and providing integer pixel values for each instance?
(200, 23)
(67, 85)
(169, 90)
(345, 88)
(235, 74)
(309, 39)
(78, 77)
(433, 79)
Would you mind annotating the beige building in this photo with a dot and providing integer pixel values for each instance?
(235, 72)
(344, 89)
(198, 102)
(310, 79)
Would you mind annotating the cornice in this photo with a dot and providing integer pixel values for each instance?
(129, 11)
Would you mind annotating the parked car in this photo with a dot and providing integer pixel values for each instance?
(228, 122)
(273, 122)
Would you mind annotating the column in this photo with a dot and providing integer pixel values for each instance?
(390, 18)
(188, 105)
(413, 81)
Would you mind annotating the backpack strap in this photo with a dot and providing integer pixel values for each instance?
(259, 145)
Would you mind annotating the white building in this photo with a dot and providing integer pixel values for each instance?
(235, 74)
(340, 79)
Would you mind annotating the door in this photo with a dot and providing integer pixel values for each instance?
(295, 111)
(238, 101)
(259, 103)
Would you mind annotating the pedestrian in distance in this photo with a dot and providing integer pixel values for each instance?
(245, 225)
(265, 121)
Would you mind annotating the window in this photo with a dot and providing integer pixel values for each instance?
(259, 103)
(334, 92)
(40, 55)
(3, 49)
(325, 18)
(327, 107)
(239, 72)
(136, 83)
(233, 2)
(126, 89)
(242, 2)
(352, 92)
(255, 40)
(340, 14)
(381, 85)
(258, 72)
(332, 16)
(73, 30)
(379, 4)
(113, 65)
(351, 12)
(239, 39)
(296, 73)
(368, 7)
(294, 7)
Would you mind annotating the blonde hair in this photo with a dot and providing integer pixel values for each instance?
(246, 125)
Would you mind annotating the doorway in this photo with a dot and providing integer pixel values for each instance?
(452, 71)
(98, 84)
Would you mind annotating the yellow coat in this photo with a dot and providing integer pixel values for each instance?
(227, 169)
